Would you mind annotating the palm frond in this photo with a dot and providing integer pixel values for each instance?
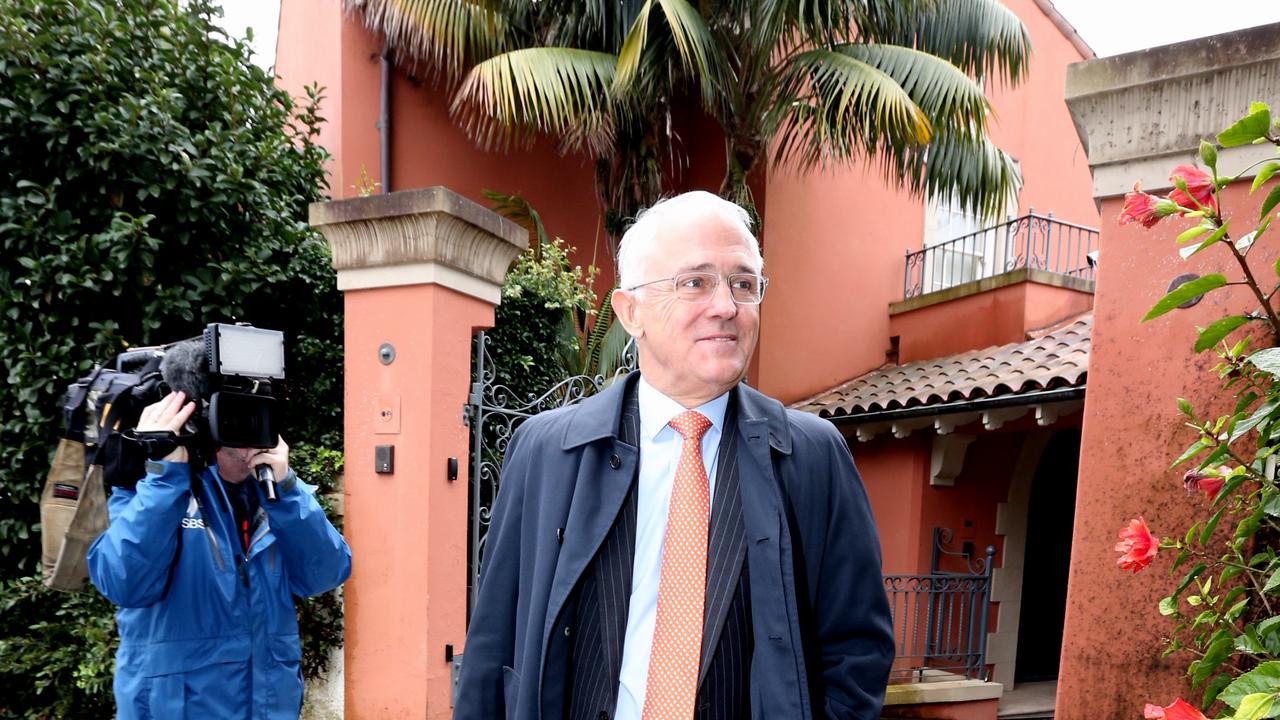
(696, 47)
(971, 172)
(517, 209)
(946, 95)
(981, 37)
(561, 91)
(446, 35)
(835, 106)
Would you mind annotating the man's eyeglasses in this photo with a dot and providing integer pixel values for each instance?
(700, 287)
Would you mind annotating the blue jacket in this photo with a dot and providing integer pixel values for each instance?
(213, 633)
(823, 638)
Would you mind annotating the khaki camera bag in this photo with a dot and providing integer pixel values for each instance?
(90, 458)
(73, 512)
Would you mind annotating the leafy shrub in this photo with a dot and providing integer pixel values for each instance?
(152, 179)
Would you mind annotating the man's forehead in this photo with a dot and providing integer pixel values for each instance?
(698, 244)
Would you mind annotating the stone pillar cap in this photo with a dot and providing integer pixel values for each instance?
(1141, 113)
(429, 235)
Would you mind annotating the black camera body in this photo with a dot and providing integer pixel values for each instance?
(228, 372)
(241, 363)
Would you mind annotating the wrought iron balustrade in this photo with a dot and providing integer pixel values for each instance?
(940, 619)
(1038, 242)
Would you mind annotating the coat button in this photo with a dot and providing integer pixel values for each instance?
(566, 631)
(603, 715)
(615, 462)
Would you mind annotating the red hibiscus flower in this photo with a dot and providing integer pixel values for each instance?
(1199, 186)
(1145, 208)
(1208, 483)
(1138, 545)
(1179, 710)
(1139, 207)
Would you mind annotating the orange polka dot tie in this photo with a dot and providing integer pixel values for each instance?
(677, 633)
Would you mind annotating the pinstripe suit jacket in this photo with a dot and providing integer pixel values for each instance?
(819, 616)
(601, 603)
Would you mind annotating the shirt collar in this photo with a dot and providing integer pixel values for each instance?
(657, 410)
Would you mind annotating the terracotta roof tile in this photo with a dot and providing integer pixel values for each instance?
(1058, 359)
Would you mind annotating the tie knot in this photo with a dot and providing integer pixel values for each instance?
(691, 424)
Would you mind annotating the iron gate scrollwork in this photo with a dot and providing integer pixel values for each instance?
(940, 619)
(493, 412)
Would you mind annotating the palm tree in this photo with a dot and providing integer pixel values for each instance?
(894, 82)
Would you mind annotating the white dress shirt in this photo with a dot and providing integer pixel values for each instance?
(660, 447)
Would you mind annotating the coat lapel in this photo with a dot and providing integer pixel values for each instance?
(726, 547)
(600, 489)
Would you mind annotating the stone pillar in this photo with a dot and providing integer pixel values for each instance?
(1138, 116)
(420, 270)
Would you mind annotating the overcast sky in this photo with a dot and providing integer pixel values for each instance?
(1110, 27)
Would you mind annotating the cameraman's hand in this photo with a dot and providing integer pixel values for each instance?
(170, 413)
(277, 457)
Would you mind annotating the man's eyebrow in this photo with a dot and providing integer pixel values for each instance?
(708, 267)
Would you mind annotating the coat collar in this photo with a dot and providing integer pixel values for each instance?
(597, 417)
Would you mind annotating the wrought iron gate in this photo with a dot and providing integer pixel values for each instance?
(493, 413)
(940, 619)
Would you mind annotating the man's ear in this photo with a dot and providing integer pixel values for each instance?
(625, 309)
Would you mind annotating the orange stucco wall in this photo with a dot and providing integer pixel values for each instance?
(994, 317)
(1132, 430)
(406, 598)
(895, 474)
(836, 240)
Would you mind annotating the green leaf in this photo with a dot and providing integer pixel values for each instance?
(1247, 129)
(1193, 232)
(1209, 154)
(1185, 407)
(1271, 505)
(1210, 336)
(1168, 606)
(1185, 292)
(1214, 687)
(1255, 706)
(1196, 447)
(1209, 526)
(1267, 360)
(1273, 198)
(1217, 235)
(1273, 582)
(1264, 174)
(1187, 579)
(1258, 415)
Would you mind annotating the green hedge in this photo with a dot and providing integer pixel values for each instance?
(152, 179)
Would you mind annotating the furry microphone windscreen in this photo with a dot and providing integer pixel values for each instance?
(184, 368)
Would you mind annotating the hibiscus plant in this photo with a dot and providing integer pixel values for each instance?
(1226, 604)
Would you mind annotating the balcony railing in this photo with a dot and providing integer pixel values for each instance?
(940, 619)
(1032, 241)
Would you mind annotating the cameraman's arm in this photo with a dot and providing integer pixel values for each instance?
(129, 562)
(315, 555)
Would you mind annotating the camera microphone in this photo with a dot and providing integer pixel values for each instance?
(184, 368)
(268, 481)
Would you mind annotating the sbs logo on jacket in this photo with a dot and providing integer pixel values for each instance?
(192, 520)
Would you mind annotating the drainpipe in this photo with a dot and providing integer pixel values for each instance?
(384, 117)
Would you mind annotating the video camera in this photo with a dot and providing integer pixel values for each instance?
(228, 372)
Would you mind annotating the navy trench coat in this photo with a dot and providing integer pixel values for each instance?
(823, 637)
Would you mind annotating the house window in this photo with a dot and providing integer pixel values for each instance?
(963, 248)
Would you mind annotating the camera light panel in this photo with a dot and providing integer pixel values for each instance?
(245, 351)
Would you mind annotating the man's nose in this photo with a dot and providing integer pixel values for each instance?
(722, 303)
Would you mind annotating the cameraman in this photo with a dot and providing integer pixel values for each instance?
(204, 572)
